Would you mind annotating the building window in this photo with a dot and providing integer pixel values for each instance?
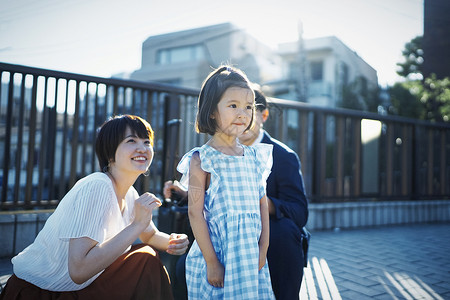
(294, 70)
(163, 57)
(317, 70)
(345, 74)
(180, 54)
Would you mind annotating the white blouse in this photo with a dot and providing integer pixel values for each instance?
(89, 209)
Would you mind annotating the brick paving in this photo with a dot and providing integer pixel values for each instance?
(398, 262)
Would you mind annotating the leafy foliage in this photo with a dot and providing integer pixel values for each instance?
(413, 54)
(405, 99)
(418, 97)
(436, 98)
(357, 95)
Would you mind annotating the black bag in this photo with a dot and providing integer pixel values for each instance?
(306, 236)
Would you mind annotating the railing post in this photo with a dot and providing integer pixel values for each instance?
(31, 142)
(75, 127)
(171, 136)
(340, 140)
(389, 159)
(404, 160)
(443, 164)
(320, 155)
(51, 152)
(17, 187)
(303, 148)
(7, 144)
(430, 162)
(85, 117)
(43, 144)
(415, 160)
(62, 171)
(115, 99)
(357, 160)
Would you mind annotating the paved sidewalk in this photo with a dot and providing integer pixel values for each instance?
(399, 262)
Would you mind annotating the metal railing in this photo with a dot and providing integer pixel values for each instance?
(48, 121)
(354, 155)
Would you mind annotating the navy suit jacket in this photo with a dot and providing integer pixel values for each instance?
(285, 186)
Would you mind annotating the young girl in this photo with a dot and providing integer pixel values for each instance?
(228, 209)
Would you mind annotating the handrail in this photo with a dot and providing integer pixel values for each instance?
(48, 121)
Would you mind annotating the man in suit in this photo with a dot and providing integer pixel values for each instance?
(288, 209)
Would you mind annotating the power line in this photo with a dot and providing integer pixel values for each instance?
(391, 10)
(33, 8)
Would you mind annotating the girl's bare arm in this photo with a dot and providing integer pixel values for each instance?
(196, 198)
(265, 231)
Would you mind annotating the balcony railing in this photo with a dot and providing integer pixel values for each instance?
(48, 121)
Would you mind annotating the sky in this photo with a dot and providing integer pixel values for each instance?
(104, 37)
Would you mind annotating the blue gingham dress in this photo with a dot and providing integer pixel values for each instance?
(232, 212)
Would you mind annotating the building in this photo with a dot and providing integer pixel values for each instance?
(316, 75)
(186, 57)
(436, 41)
(330, 67)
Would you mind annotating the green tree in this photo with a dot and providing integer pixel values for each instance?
(436, 98)
(357, 95)
(418, 97)
(413, 54)
(350, 98)
(405, 99)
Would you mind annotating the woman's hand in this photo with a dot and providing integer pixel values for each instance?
(143, 209)
(178, 244)
(215, 273)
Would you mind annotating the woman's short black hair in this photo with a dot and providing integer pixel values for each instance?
(112, 133)
(213, 88)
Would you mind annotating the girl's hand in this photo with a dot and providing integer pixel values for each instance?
(262, 259)
(178, 244)
(143, 209)
(215, 273)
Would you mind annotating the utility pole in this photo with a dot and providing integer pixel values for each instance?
(301, 82)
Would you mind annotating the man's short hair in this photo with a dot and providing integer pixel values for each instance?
(260, 100)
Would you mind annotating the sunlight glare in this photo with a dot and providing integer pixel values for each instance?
(370, 130)
(388, 289)
(61, 102)
(310, 286)
(329, 279)
(321, 279)
(398, 286)
(51, 90)
(428, 288)
(412, 286)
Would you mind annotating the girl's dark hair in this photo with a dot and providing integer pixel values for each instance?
(112, 133)
(214, 86)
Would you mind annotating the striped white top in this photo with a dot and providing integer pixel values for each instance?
(89, 209)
